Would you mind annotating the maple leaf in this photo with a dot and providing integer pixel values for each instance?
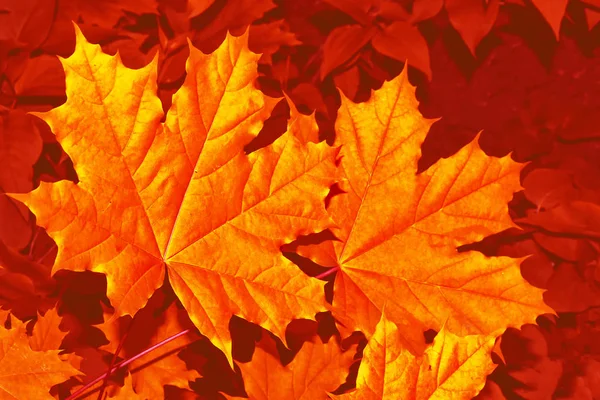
(182, 196)
(28, 374)
(452, 367)
(315, 370)
(46, 334)
(398, 231)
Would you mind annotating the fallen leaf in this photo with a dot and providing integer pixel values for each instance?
(452, 367)
(317, 369)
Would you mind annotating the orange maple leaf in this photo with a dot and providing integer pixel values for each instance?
(318, 368)
(28, 374)
(182, 196)
(46, 334)
(452, 367)
(398, 231)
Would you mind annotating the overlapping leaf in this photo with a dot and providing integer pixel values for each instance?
(315, 370)
(398, 231)
(28, 374)
(452, 368)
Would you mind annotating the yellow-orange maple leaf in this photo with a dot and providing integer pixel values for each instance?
(182, 196)
(399, 231)
(451, 368)
(28, 374)
(318, 368)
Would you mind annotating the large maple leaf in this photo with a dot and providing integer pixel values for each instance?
(398, 231)
(182, 196)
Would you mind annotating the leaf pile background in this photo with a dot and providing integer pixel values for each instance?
(281, 188)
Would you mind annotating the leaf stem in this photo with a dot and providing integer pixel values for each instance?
(114, 360)
(127, 362)
(327, 273)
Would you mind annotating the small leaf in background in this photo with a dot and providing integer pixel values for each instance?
(473, 19)
(342, 44)
(553, 12)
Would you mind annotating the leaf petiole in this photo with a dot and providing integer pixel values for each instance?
(327, 273)
(127, 362)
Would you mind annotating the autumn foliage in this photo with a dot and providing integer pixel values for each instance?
(323, 199)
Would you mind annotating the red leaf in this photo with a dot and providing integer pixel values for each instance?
(403, 41)
(343, 43)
